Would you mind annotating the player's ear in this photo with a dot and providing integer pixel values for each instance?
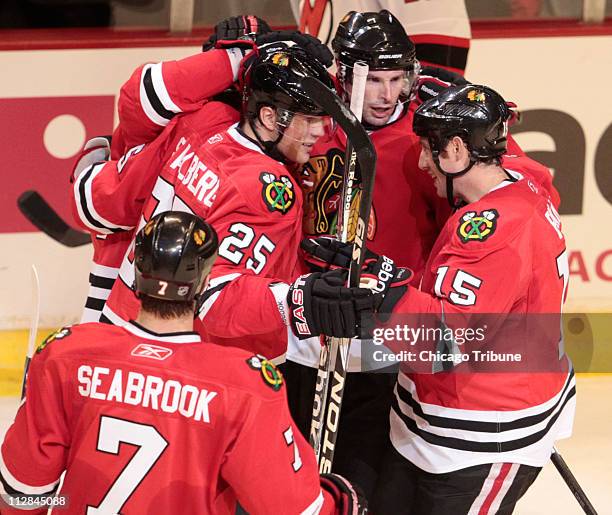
(457, 149)
(267, 117)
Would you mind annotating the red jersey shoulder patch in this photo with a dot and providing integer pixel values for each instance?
(277, 192)
(60, 334)
(270, 374)
(477, 226)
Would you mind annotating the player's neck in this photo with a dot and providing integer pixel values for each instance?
(479, 181)
(264, 134)
(160, 326)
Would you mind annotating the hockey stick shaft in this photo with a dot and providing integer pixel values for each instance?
(572, 483)
(33, 327)
(328, 360)
(366, 158)
(360, 75)
(38, 211)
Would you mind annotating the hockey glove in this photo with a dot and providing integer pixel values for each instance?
(348, 498)
(96, 150)
(320, 303)
(433, 80)
(326, 253)
(388, 283)
(237, 32)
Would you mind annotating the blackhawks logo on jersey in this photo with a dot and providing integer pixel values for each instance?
(271, 375)
(277, 193)
(57, 335)
(475, 226)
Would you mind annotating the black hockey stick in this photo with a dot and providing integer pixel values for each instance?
(572, 483)
(43, 216)
(326, 415)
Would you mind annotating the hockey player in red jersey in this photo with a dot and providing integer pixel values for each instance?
(150, 418)
(233, 177)
(146, 106)
(473, 442)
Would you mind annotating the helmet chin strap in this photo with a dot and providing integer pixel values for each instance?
(270, 147)
(450, 177)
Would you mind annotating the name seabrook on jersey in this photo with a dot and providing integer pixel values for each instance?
(147, 391)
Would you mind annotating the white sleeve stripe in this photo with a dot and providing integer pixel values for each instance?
(104, 271)
(146, 103)
(316, 506)
(235, 56)
(160, 89)
(90, 205)
(13, 483)
(81, 205)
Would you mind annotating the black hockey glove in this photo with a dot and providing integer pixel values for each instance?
(348, 498)
(237, 32)
(320, 303)
(387, 281)
(433, 80)
(326, 253)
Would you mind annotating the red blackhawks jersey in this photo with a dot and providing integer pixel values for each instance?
(145, 107)
(251, 200)
(156, 423)
(504, 254)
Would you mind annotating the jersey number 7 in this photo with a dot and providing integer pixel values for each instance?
(113, 432)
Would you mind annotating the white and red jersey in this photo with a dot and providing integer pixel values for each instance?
(146, 106)
(440, 29)
(156, 423)
(504, 254)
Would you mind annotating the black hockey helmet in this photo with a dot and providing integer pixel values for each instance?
(378, 39)
(273, 79)
(174, 253)
(475, 113)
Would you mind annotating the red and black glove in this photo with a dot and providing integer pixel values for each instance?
(348, 498)
(320, 303)
(237, 32)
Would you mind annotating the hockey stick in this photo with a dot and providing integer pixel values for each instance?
(572, 483)
(33, 328)
(329, 351)
(323, 436)
(43, 216)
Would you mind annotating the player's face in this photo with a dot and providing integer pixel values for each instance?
(427, 164)
(300, 136)
(383, 88)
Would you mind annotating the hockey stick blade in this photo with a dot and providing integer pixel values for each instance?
(43, 216)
